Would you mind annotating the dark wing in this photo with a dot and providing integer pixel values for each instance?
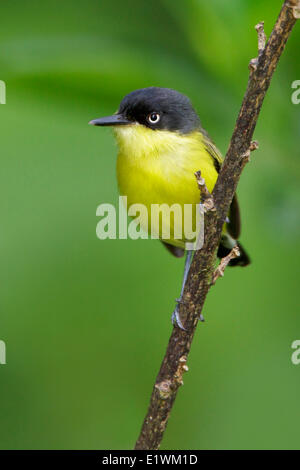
(175, 250)
(234, 224)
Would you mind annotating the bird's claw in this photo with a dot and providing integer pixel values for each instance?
(176, 319)
(180, 301)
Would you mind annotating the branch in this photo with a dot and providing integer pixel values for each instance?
(219, 272)
(205, 197)
(201, 273)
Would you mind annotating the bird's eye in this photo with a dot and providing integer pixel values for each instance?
(153, 118)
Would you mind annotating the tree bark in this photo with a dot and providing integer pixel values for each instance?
(202, 274)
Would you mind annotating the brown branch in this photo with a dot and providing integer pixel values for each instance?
(219, 271)
(261, 37)
(200, 276)
(205, 196)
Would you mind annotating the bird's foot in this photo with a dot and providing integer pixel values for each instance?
(176, 317)
(180, 301)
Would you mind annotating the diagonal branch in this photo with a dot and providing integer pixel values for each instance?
(200, 276)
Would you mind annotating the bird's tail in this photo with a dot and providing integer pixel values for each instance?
(226, 245)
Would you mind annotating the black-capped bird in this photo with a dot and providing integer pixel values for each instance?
(161, 146)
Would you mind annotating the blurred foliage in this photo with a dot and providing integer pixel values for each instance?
(85, 321)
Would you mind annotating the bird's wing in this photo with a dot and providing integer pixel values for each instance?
(175, 250)
(213, 151)
(234, 223)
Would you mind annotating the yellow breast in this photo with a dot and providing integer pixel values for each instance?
(157, 167)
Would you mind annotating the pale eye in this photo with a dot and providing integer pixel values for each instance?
(153, 118)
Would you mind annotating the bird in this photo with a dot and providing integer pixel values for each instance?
(162, 144)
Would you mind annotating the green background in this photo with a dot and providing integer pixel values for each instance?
(86, 322)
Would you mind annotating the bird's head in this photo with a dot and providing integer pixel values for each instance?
(151, 110)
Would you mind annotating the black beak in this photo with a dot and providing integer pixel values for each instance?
(114, 120)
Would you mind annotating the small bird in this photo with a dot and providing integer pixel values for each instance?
(161, 146)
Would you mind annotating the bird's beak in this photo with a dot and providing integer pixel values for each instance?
(114, 120)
